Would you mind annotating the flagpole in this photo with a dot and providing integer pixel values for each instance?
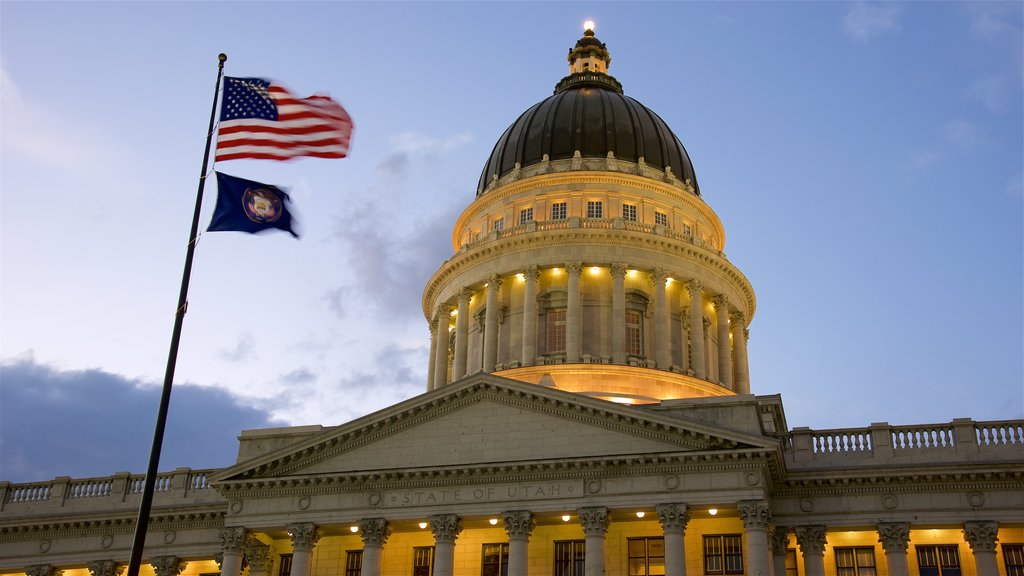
(142, 523)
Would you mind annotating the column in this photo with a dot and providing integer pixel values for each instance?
(756, 516)
(684, 338)
(662, 342)
(812, 546)
(304, 537)
(696, 328)
(779, 540)
(258, 554)
(42, 570)
(618, 313)
(673, 519)
(529, 355)
(441, 351)
(491, 324)
(573, 315)
(461, 334)
(519, 524)
(433, 352)
(105, 568)
(741, 372)
(165, 565)
(595, 524)
(722, 318)
(232, 540)
(375, 532)
(982, 537)
(446, 528)
(895, 536)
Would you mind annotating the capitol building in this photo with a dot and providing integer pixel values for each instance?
(589, 411)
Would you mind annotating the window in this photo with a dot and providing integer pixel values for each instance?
(286, 565)
(525, 215)
(595, 209)
(723, 554)
(499, 224)
(646, 556)
(558, 211)
(423, 561)
(555, 331)
(938, 561)
(855, 561)
(1013, 556)
(791, 562)
(660, 218)
(634, 333)
(495, 560)
(569, 558)
(353, 563)
(629, 212)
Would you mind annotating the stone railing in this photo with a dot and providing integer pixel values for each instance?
(961, 440)
(122, 490)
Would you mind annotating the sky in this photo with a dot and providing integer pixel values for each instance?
(866, 160)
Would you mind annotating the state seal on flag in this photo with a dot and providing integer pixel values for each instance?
(261, 205)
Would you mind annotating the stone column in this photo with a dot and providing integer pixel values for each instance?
(232, 541)
(895, 536)
(741, 372)
(696, 329)
(441, 352)
(461, 334)
(673, 519)
(779, 540)
(812, 545)
(491, 324)
(662, 341)
(595, 525)
(105, 568)
(433, 353)
(375, 532)
(529, 355)
(258, 554)
(446, 528)
(618, 313)
(573, 315)
(724, 351)
(43, 570)
(304, 535)
(165, 565)
(756, 516)
(519, 524)
(684, 338)
(982, 537)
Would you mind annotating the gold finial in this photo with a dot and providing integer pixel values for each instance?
(588, 26)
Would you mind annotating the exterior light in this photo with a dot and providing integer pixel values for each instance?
(588, 25)
(423, 525)
(565, 518)
(520, 276)
(631, 273)
(594, 269)
(713, 511)
(640, 514)
(493, 521)
(454, 312)
(354, 529)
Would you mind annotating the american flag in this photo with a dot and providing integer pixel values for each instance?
(262, 120)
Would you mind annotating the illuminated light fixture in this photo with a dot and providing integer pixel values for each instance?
(669, 281)
(632, 273)
(556, 270)
(641, 514)
(493, 521)
(354, 529)
(565, 518)
(454, 312)
(521, 277)
(588, 25)
(423, 525)
(594, 269)
(713, 511)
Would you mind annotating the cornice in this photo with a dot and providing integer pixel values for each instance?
(211, 517)
(895, 481)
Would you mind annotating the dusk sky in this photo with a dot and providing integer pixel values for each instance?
(866, 160)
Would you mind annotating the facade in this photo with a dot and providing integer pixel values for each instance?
(588, 412)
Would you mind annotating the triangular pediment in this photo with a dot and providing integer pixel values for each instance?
(486, 422)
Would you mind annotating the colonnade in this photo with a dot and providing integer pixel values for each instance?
(449, 361)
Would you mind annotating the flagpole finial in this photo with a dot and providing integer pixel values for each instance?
(222, 57)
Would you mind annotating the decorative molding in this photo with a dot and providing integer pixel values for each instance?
(756, 514)
(519, 524)
(981, 535)
(105, 568)
(304, 535)
(594, 520)
(167, 565)
(673, 517)
(894, 536)
(43, 570)
(232, 539)
(446, 527)
(811, 539)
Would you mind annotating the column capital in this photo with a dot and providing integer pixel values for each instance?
(574, 268)
(673, 517)
(432, 326)
(894, 536)
(465, 294)
(779, 540)
(304, 535)
(446, 527)
(443, 310)
(658, 276)
(736, 316)
(694, 287)
(518, 523)
(811, 539)
(105, 568)
(594, 520)
(495, 281)
(374, 531)
(619, 269)
(720, 301)
(232, 539)
(982, 535)
(756, 514)
(43, 570)
(258, 554)
(167, 565)
(532, 272)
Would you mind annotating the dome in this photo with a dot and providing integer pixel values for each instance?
(589, 114)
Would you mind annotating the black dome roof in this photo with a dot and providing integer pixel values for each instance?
(589, 113)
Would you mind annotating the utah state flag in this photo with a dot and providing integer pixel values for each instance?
(249, 206)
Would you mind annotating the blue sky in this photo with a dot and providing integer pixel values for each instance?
(866, 159)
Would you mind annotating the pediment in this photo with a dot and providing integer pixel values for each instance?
(486, 422)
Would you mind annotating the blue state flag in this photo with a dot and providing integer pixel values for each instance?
(250, 206)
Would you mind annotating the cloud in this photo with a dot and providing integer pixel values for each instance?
(995, 20)
(991, 92)
(88, 423)
(244, 349)
(865, 20)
